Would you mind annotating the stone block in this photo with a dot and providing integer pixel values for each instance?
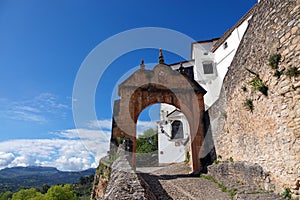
(296, 40)
(284, 90)
(294, 30)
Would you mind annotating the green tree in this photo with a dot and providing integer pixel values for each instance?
(28, 194)
(61, 192)
(147, 142)
(43, 189)
(6, 195)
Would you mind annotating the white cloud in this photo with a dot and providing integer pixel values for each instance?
(36, 109)
(49, 102)
(27, 116)
(72, 149)
(64, 154)
(101, 124)
(6, 158)
(86, 134)
(73, 163)
(28, 108)
(106, 125)
(142, 126)
(21, 161)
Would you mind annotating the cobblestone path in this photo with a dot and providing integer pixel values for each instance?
(174, 182)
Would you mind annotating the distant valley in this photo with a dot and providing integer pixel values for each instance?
(16, 178)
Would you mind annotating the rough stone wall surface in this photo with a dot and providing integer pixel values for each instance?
(270, 135)
(247, 178)
(124, 183)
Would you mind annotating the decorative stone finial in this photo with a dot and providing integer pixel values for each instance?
(161, 57)
(142, 65)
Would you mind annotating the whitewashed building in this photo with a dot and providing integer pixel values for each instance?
(208, 66)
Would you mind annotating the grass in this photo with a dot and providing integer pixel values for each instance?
(187, 157)
(287, 193)
(258, 85)
(217, 161)
(221, 186)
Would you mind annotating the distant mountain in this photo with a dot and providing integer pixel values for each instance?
(16, 178)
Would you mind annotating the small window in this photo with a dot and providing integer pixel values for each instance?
(208, 67)
(177, 130)
(225, 45)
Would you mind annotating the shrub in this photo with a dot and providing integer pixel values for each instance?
(61, 192)
(293, 72)
(248, 104)
(274, 60)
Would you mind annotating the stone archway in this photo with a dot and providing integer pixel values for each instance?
(160, 85)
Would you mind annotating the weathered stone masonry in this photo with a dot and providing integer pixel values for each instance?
(270, 136)
(124, 182)
(160, 85)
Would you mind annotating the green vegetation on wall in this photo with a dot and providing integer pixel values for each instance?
(248, 104)
(287, 193)
(187, 157)
(258, 85)
(274, 60)
(292, 72)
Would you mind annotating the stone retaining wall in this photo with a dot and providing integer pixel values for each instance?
(247, 180)
(124, 182)
(270, 135)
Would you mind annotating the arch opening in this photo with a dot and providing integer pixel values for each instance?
(147, 137)
(173, 135)
(160, 85)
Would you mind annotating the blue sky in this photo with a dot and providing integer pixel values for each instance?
(43, 43)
